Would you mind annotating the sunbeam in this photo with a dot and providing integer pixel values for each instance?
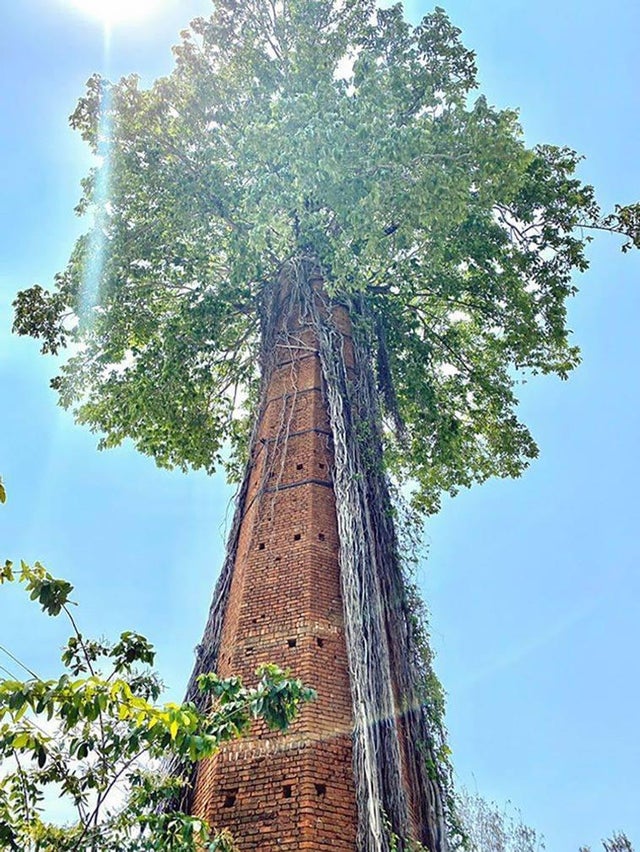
(97, 239)
(112, 12)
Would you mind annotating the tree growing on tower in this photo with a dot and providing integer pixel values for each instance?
(309, 147)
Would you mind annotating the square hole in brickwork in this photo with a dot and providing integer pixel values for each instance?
(292, 643)
(319, 642)
(278, 558)
(321, 789)
(299, 466)
(297, 537)
(321, 465)
(230, 798)
(320, 536)
(261, 545)
(287, 790)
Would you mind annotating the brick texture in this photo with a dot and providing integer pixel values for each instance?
(292, 790)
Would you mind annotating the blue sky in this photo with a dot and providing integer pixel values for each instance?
(532, 584)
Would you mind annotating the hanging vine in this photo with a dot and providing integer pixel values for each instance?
(398, 744)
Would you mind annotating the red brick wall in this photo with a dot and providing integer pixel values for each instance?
(291, 791)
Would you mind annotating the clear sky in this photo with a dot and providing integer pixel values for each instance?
(533, 584)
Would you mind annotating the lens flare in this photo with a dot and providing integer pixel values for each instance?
(97, 245)
(111, 12)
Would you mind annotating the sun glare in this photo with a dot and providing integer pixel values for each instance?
(111, 12)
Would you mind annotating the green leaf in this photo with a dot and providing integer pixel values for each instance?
(6, 572)
(22, 740)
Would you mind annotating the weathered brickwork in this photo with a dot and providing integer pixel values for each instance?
(291, 791)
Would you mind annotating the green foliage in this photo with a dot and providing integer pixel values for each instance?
(96, 738)
(51, 594)
(341, 133)
(408, 846)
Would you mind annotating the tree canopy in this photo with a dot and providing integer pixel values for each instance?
(293, 129)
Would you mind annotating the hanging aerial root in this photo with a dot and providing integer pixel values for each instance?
(401, 786)
(401, 789)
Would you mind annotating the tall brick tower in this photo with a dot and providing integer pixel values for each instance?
(292, 791)
(313, 582)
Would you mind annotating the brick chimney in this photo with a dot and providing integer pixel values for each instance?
(293, 790)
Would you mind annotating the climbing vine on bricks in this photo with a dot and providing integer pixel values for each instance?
(312, 140)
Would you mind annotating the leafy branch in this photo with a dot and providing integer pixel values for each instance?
(98, 736)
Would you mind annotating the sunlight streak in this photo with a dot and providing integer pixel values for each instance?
(97, 239)
(112, 12)
(551, 633)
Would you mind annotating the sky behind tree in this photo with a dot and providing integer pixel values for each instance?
(532, 584)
